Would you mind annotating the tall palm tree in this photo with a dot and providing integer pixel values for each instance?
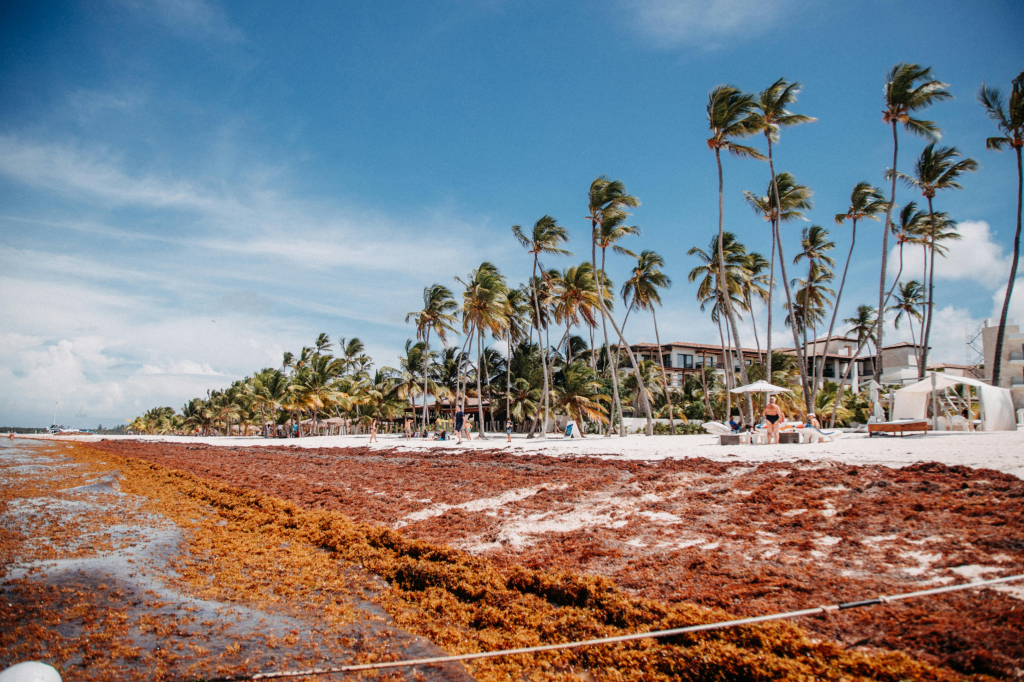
(484, 310)
(815, 247)
(546, 237)
(576, 299)
(709, 289)
(908, 88)
(607, 204)
(643, 288)
(771, 116)
(908, 231)
(936, 169)
(866, 202)
(731, 116)
(436, 316)
(785, 201)
(862, 324)
(1010, 122)
(909, 300)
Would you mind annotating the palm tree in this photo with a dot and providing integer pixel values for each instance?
(575, 299)
(908, 231)
(322, 344)
(547, 237)
(936, 169)
(816, 245)
(771, 116)
(1010, 122)
(756, 282)
(709, 289)
(908, 88)
(484, 309)
(863, 324)
(731, 116)
(437, 316)
(908, 301)
(515, 332)
(785, 201)
(866, 202)
(643, 287)
(315, 386)
(607, 204)
(579, 394)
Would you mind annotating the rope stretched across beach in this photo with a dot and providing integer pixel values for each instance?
(622, 638)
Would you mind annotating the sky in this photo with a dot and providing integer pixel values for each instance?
(189, 188)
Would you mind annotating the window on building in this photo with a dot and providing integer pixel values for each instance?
(685, 361)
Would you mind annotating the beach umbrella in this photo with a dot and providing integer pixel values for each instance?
(761, 386)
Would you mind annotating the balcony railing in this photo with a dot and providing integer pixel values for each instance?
(1018, 355)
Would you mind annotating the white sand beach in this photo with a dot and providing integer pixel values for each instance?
(999, 450)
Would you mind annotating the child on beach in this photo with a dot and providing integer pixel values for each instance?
(508, 429)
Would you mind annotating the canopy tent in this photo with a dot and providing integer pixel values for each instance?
(761, 386)
(911, 402)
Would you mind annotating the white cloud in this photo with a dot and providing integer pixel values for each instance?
(183, 367)
(191, 17)
(704, 23)
(1016, 312)
(975, 257)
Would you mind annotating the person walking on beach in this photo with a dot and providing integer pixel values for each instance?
(460, 422)
(508, 429)
(408, 430)
(373, 431)
(773, 416)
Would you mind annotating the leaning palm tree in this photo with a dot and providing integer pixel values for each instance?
(771, 116)
(546, 237)
(909, 301)
(607, 204)
(643, 287)
(908, 231)
(575, 300)
(785, 201)
(1010, 122)
(437, 316)
(866, 202)
(936, 169)
(816, 245)
(731, 116)
(908, 88)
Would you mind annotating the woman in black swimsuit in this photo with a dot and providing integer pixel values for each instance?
(774, 416)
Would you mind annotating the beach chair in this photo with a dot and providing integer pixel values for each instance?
(718, 429)
(814, 435)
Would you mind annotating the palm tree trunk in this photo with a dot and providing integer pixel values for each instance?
(835, 305)
(800, 352)
(540, 345)
(930, 308)
(771, 290)
(725, 375)
(664, 377)
(616, 396)
(426, 361)
(998, 360)
(508, 379)
(636, 368)
(880, 322)
(479, 388)
(722, 284)
(704, 386)
(551, 379)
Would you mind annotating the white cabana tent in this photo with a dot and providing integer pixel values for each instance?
(911, 402)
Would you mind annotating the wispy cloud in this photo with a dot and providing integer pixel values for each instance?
(974, 258)
(705, 24)
(190, 17)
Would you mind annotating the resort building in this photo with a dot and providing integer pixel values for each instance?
(1011, 364)
(837, 353)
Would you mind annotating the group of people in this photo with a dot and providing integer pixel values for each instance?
(463, 429)
(772, 419)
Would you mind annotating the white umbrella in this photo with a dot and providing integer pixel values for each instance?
(760, 387)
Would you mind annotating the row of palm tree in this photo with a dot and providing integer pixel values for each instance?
(731, 279)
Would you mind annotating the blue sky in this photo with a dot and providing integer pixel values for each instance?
(189, 188)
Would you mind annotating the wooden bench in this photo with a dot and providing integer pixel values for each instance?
(733, 439)
(920, 426)
(789, 438)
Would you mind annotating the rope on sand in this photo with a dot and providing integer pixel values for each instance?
(623, 638)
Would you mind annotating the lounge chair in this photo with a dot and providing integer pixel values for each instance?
(814, 435)
(718, 429)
